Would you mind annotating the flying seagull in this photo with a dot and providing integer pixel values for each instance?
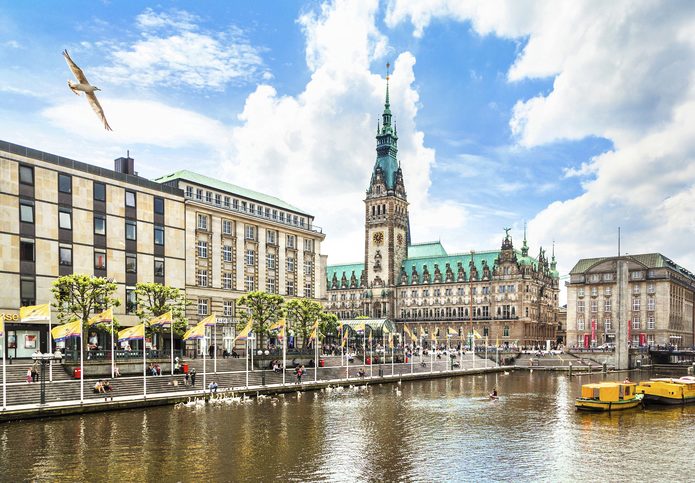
(88, 89)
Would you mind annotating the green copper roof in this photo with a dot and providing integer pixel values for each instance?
(453, 261)
(346, 269)
(426, 249)
(649, 260)
(230, 188)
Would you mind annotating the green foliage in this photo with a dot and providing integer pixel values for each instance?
(155, 299)
(79, 296)
(328, 323)
(302, 313)
(262, 308)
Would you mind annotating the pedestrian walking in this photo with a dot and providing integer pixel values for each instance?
(35, 372)
(193, 377)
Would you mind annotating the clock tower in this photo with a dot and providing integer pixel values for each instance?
(386, 227)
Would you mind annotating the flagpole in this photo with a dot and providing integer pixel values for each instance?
(50, 345)
(486, 352)
(316, 359)
(371, 353)
(214, 343)
(113, 351)
(4, 375)
(473, 346)
(393, 345)
(144, 364)
(171, 348)
(205, 344)
(432, 355)
(81, 364)
(284, 352)
(247, 360)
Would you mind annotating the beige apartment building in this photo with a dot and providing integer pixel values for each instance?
(59, 216)
(239, 240)
(657, 300)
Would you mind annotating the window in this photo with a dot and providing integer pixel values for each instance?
(249, 283)
(26, 251)
(290, 287)
(202, 249)
(607, 291)
(252, 208)
(235, 204)
(243, 206)
(130, 199)
(131, 230)
(64, 183)
(202, 278)
(131, 263)
(580, 292)
(308, 245)
(158, 235)
(607, 325)
(208, 196)
(651, 303)
(226, 280)
(26, 175)
(199, 194)
(227, 227)
(158, 267)
(580, 323)
(27, 291)
(270, 286)
(99, 260)
(636, 275)
(271, 237)
(65, 219)
(291, 241)
(580, 306)
(636, 304)
(594, 291)
(65, 254)
(228, 306)
(99, 225)
(505, 333)
(158, 205)
(282, 217)
(290, 264)
(636, 289)
(189, 191)
(650, 288)
(203, 305)
(270, 261)
(227, 253)
(131, 300)
(250, 232)
(636, 322)
(250, 257)
(227, 201)
(308, 267)
(275, 214)
(651, 322)
(267, 212)
(202, 221)
(594, 277)
(307, 289)
(607, 305)
(218, 199)
(607, 277)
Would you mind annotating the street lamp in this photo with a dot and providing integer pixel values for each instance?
(44, 359)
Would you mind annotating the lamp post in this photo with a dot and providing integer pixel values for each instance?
(44, 359)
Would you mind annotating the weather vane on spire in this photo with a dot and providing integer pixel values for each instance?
(388, 66)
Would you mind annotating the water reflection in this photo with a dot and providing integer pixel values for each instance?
(445, 429)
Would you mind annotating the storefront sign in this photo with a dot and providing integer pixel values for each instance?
(10, 317)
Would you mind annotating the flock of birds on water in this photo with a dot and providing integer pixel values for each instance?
(232, 399)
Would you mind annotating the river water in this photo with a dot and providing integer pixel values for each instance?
(443, 429)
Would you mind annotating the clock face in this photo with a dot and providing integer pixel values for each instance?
(399, 239)
(378, 237)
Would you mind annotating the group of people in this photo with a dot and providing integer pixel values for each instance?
(299, 371)
(103, 386)
(276, 366)
(154, 369)
(33, 373)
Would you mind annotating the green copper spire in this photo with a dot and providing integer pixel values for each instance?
(387, 143)
(524, 247)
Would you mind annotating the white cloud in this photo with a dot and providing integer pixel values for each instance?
(317, 149)
(174, 51)
(623, 71)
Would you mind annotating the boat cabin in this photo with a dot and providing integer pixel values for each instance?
(608, 391)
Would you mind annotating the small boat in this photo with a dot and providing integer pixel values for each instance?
(608, 396)
(668, 390)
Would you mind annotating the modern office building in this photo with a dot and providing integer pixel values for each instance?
(212, 239)
(656, 296)
(504, 294)
(61, 216)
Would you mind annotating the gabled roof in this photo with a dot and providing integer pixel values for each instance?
(230, 188)
(426, 249)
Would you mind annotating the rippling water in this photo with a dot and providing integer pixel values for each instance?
(445, 429)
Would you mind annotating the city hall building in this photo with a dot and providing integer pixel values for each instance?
(504, 294)
(214, 240)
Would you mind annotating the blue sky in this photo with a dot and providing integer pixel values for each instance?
(574, 117)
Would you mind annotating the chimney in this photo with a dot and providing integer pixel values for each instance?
(125, 165)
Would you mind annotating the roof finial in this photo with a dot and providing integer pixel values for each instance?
(388, 76)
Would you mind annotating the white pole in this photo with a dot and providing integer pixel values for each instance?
(171, 346)
(247, 361)
(486, 352)
(347, 352)
(205, 344)
(284, 352)
(316, 359)
(81, 367)
(252, 344)
(393, 345)
(113, 351)
(144, 364)
(473, 347)
(412, 355)
(214, 343)
(432, 358)
(371, 354)
(4, 375)
(50, 346)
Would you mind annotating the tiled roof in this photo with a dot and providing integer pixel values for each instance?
(426, 249)
(230, 188)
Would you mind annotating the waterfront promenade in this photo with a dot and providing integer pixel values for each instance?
(62, 396)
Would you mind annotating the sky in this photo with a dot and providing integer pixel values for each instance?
(575, 118)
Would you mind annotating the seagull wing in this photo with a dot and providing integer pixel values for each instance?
(97, 108)
(79, 75)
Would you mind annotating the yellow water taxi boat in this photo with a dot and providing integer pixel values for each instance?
(668, 390)
(608, 396)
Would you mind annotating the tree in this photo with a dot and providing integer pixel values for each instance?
(155, 299)
(79, 296)
(263, 309)
(302, 313)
